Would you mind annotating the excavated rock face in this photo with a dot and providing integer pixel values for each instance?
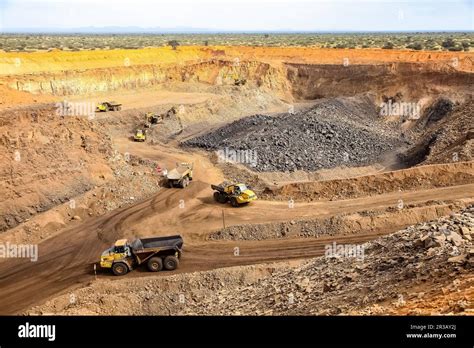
(213, 72)
(312, 81)
(330, 134)
(438, 110)
(445, 134)
(46, 160)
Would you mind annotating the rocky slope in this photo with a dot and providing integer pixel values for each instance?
(332, 133)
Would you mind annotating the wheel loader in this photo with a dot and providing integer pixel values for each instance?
(156, 252)
(108, 106)
(236, 194)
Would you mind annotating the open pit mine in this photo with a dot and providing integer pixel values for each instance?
(233, 180)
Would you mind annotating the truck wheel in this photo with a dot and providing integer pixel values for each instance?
(184, 182)
(224, 198)
(155, 264)
(217, 197)
(171, 262)
(119, 268)
(234, 202)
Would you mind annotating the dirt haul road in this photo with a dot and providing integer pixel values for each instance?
(66, 260)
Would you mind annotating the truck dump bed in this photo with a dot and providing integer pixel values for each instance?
(177, 173)
(180, 171)
(168, 242)
(217, 188)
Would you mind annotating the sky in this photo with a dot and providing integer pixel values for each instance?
(237, 15)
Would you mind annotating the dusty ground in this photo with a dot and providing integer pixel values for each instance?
(75, 184)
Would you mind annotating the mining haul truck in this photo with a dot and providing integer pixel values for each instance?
(181, 175)
(236, 194)
(108, 106)
(156, 252)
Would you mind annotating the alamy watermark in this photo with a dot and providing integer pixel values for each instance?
(28, 330)
(335, 250)
(67, 108)
(411, 110)
(228, 155)
(24, 251)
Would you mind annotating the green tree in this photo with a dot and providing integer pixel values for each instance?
(174, 44)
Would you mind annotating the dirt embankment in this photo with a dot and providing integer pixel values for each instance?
(371, 221)
(132, 77)
(462, 61)
(47, 160)
(423, 177)
(311, 81)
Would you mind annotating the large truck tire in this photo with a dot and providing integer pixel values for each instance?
(223, 198)
(184, 182)
(171, 262)
(119, 269)
(155, 264)
(234, 202)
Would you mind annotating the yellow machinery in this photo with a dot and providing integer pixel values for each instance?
(237, 80)
(181, 175)
(140, 135)
(152, 118)
(236, 194)
(156, 252)
(108, 106)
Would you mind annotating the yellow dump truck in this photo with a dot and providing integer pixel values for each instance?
(140, 135)
(181, 175)
(236, 194)
(156, 252)
(108, 106)
(152, 118)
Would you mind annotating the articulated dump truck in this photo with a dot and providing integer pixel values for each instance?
(181, 175)
(156, 252)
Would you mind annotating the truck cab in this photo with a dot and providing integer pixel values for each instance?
(119, 252)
